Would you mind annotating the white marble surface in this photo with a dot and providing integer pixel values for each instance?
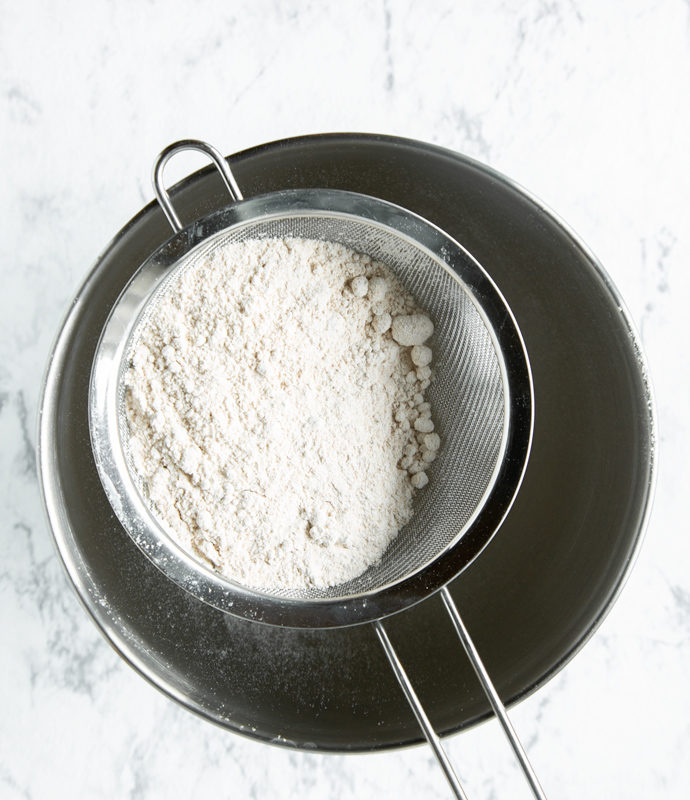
(583, 102)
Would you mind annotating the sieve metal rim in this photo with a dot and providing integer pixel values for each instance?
(234, 598)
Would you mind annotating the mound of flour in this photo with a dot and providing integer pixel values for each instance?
(275, 411)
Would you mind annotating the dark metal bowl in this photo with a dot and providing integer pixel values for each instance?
(534, 595)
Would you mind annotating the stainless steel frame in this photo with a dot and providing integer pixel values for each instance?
(346, 610)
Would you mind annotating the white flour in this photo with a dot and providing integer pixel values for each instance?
(276, 427)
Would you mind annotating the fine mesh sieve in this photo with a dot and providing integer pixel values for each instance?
(481, 399)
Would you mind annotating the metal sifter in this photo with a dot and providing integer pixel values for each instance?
(481, 396)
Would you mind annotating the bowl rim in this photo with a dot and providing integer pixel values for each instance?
(65, 538)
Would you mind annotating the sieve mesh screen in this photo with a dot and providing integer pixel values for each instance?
(467, 393)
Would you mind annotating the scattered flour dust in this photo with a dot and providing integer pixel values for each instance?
(276, 421)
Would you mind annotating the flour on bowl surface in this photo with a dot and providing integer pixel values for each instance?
(275, 411)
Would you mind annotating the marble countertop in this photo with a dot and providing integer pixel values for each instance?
(583, 102)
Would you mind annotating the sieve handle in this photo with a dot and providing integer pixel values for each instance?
(189, 144)
(429, 733)
(489, 689)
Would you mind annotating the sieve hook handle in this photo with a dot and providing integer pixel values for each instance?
(189, 144)
(489, 689)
